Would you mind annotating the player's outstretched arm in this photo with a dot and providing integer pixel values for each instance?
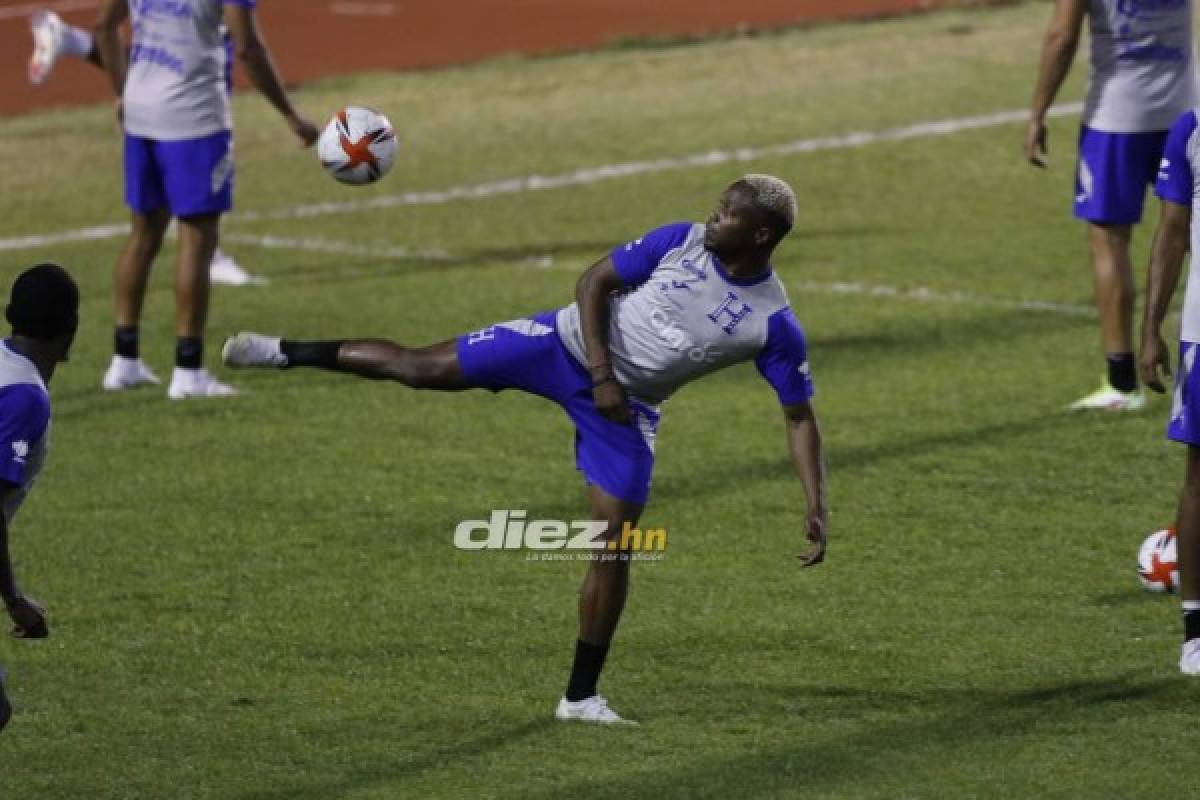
(26, 614)
(1058, 51)
(111, 53)
(252, 52)
(804, 444)
(592, 293)
(1162, 277)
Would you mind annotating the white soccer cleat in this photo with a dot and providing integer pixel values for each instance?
(591, 709)
(47, 28)
(226, 271)
(127, 373)
(187, 383)
(253, 350)
(1106, 398)
(1189, 657)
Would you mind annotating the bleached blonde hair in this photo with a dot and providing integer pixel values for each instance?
(774, 195)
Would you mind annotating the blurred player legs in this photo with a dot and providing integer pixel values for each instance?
(52, 38)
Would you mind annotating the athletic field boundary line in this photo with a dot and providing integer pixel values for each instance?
(580, 177)
(918, 294)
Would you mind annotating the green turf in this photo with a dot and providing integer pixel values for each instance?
(259, 599)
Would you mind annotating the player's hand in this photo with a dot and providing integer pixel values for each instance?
(816, 527)
(611, 401)
(1035, 143)
(29, 618)
(305, 131)
(1154, 356)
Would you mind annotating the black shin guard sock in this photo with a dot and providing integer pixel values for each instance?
(585, 673)
(311, 354)
(1122, 374)
(189, 352)
(125, 341)
(1191, 625)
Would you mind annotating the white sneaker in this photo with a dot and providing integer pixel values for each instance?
(197, 383)
(127, 373)
(1189, 657)
(47, 29)
(1106, 398)
(590, 709)
(253, 350)
(225, 270)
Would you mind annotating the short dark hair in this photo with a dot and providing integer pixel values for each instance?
(44, 303)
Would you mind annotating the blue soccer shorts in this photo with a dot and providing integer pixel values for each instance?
(189, 177)
(1184, 426)
(527, 354)
(1113, 173)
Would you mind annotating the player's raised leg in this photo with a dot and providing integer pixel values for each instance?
(432, 367)
(53, 38)
(127, 370)
(601, 601)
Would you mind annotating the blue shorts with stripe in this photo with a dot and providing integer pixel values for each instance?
(528, 354)
(1113, 174)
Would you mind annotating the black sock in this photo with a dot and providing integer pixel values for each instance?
(1122, 375)
(189, 352)
(585, 673)
(311, 354)
(125, 341)
(1191, 625)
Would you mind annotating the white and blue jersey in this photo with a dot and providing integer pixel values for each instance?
(24, 426)
(683, 316)
(1142, 75)
(177, 85)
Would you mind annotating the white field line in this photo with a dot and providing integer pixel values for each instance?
(916, 294)
(579, 177)
(62, 7)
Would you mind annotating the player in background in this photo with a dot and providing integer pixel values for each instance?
(179, 162)
(680, 302)
(1142, 77)
(52, 37)
(43, 310)
(1179, 230)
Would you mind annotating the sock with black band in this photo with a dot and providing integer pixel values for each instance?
(1191, 620)
(189, 352)
(585, 672)
(1122, 371)
(323, 355)
(125, 341)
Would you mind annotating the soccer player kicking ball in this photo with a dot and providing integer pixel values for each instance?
(1177, 231)
(680, 302)
(44, 313)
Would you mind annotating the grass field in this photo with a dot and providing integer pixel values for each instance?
(258, 599)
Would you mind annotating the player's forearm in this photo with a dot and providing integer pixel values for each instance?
(808, 458)
(1058, 51)
(1162, 276)
(595, 313)
(260, 68)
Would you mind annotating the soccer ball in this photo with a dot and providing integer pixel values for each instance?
(358, 146)
(1158, 567)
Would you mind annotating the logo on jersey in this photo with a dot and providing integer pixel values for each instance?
(730, 312)
(20, 451)
(1149, 8)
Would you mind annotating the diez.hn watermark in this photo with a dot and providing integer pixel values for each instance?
(559, 540)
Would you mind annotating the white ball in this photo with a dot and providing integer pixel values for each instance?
(358, 146)
(1158, 567)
